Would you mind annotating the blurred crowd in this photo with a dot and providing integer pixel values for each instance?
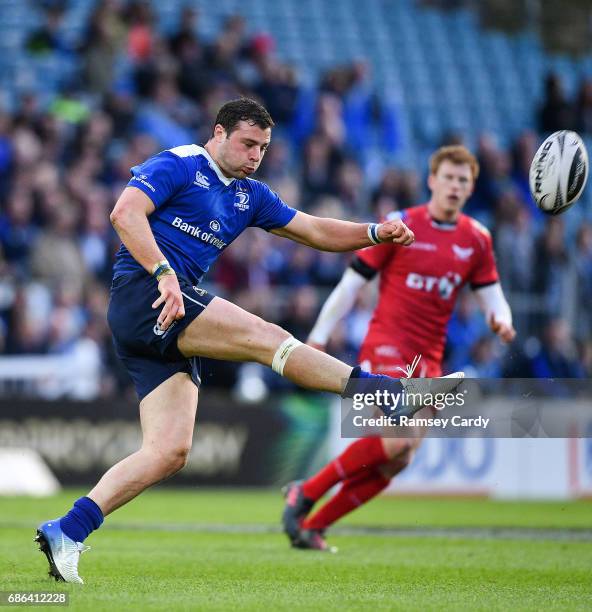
(559, 112)
(64, 162)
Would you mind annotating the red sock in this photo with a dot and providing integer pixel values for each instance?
(357, 457)
(354, 492)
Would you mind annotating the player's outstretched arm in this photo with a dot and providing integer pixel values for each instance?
(337, 305)
(130, 220)
(497, 311)
(336, 235)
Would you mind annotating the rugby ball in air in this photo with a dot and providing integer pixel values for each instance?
(558, 172)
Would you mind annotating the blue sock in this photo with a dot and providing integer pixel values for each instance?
(83, 519)
(357, 372)
(373, 382)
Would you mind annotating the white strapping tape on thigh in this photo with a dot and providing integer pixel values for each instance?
(283, 352)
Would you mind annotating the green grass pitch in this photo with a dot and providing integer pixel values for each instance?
(218, 550)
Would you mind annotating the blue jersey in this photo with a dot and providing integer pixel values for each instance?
(199, 211)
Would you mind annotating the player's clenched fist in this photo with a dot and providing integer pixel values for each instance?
(395, 231)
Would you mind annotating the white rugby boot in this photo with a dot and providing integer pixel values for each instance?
(61, 551)
(427, 387)
(431, 386)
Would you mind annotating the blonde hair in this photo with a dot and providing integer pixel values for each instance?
(457, 154)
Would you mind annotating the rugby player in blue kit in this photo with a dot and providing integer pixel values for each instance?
(180, 210)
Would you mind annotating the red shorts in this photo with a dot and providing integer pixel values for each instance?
(390, 360)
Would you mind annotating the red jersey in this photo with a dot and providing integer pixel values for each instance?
(418, 288)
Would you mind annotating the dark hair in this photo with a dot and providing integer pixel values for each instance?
(243, 109)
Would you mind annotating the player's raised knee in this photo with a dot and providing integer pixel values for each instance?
(268, 337)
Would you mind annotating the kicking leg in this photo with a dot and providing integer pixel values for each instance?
(225, 331)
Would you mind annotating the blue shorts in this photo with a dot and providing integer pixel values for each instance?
(149, 354)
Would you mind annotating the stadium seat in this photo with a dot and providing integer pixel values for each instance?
(438, 59)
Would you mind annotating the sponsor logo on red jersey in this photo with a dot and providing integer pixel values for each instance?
(444, 285)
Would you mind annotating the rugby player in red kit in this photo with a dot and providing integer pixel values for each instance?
(418, 287)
